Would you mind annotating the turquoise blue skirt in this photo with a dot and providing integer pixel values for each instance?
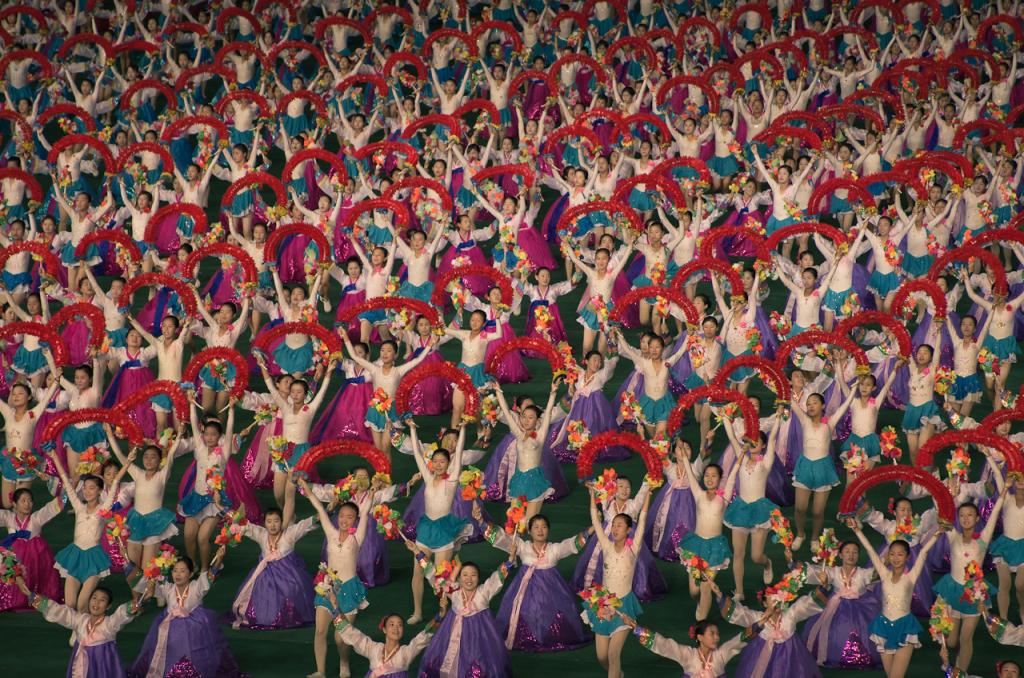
(440, 534)
(776, 224)
(421, 292)
(12, 281)
(965, 387)
(839, 205)
(715, 551)
(242, 203)
(1006, 550)
(889, 634)
(30, 362)
(193, 502)
(531, 484)
(740, 374)
(655, 411)
(213, 382)
(795, 329)
(477, 374)
(883, 283)
(870, 443)
(724, 166)
(161, 403)
(152, 525)
(693, 381)
(588, 318)
(351, 595)
(374, 317)
(949, 590)
(815, 476)
(294, 360)
(8, 471)
(378, 420)
(917, 267)
(73, 561)
(378, 235)
(68, 258)
(606, 627)
(642, 201)
(833, 300)
(740, 514)
(81, 439)
(915, 417)
(117, 337)
(1004, 349)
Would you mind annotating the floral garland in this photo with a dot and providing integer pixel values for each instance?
(11, 568)
(515, 514)
(389, 522)
(827, 549)
(471, 480)
(232, 529)
(781, 532)
(159, 567)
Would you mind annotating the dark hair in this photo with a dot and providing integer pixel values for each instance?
(390, 342)
(899, 500)
(592, 353)
(17, 494)
(701, 627)
(188, 563)
(478, 313)
(301, 382)
(538, 517)
(710, 319)
(716, 467)
(90, 477)
(532, 408)
(105, 591)
(351, 505)
(470, 563)
(626, 517)
(214, 423)
(968, 504)
(848, 542)
(902, 543)
(442, 452)
(273, 511)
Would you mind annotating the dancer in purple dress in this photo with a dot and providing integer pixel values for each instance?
(389, 659)
(538, 612)
(95, 649)
(185, 637)
(468, 642)
(278, 592)
(590, 408)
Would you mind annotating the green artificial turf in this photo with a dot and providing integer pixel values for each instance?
(32, 647)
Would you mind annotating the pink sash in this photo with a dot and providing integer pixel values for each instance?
(517, 602)
(245, 595)
(80, 663)
(765, 657)
(819, 632)
(156, 665)
(262, 466)
(661, 519)
(450, 665)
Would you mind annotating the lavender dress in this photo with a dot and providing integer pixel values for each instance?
(672, 511)
(278, 592)
(185, 638)
(468, 642)
(590, 406)
(539, 611)
(777, 652)
(95, 652)
(838, 637)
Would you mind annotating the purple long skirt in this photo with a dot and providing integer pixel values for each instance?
(680, 514)
(194, 643)
(482, 652)
(788, 658)
(511, 369)
(499, 472)
(103, 661)
(598, 415)
(848, 646)
(282, 597)
(648, 583)
(431, 396)
(548, 617)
